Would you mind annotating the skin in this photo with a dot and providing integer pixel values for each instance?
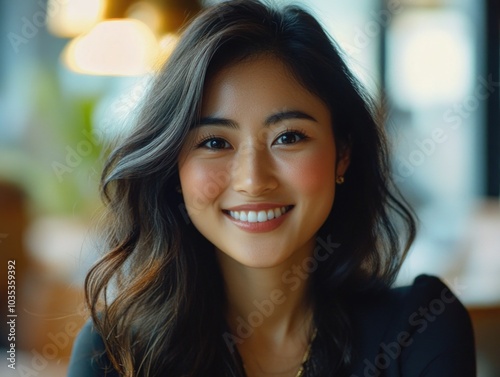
(263, 140)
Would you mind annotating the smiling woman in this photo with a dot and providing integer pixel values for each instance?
(252, 222)
(273, 141)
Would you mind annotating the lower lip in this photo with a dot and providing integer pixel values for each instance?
(266, 226)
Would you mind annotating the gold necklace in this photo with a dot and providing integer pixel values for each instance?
(307, 354)
(305, 358)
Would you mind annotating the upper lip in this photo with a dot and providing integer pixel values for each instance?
(257, 207)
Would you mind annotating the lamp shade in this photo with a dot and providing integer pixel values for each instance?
(120, 47)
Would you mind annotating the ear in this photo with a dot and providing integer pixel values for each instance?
(343, 159)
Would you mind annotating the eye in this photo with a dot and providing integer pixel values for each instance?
(213, 142)
(290, 137)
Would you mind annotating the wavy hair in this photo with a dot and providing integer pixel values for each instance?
(166, 315)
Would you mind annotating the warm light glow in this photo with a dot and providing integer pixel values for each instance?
(114, 48)
(147, 13)
(167, 45)
(70, 18)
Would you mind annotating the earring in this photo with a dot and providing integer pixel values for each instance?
(340, 179)
(178, 189)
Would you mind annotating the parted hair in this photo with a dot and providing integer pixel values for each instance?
(157, 294)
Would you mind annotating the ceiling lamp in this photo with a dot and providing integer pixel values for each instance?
(135, 37)
(121, 47)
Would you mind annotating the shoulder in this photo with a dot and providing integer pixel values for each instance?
(418, 330)
(88, 357)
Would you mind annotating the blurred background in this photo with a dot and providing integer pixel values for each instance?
(72, 72)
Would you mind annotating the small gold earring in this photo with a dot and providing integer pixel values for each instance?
(340, 179)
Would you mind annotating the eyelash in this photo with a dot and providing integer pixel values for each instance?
(298, 132)
(201, 143)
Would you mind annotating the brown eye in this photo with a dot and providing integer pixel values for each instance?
(290, 137)
(214, 143)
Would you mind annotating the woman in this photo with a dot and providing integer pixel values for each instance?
(252, 222)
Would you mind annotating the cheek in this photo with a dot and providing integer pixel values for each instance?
(202, 182)
(313, 174)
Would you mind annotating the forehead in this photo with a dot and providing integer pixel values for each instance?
(258, 83)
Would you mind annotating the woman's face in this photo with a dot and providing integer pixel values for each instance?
(258, 172)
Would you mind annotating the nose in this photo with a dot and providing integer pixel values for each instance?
(253, 172)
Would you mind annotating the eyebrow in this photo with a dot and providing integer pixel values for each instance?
(270, 120)
(214, 121)
(286, 115)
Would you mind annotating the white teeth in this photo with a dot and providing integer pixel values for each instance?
(260, 216)
(252, 217)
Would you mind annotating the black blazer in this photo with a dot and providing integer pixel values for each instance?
(417, 331)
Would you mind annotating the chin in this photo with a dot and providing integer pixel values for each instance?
(258, 258)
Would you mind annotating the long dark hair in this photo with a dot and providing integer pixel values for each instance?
(164, 314)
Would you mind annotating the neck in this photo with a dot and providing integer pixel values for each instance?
(267, 304)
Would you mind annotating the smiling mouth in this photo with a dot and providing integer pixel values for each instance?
(258, 216)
